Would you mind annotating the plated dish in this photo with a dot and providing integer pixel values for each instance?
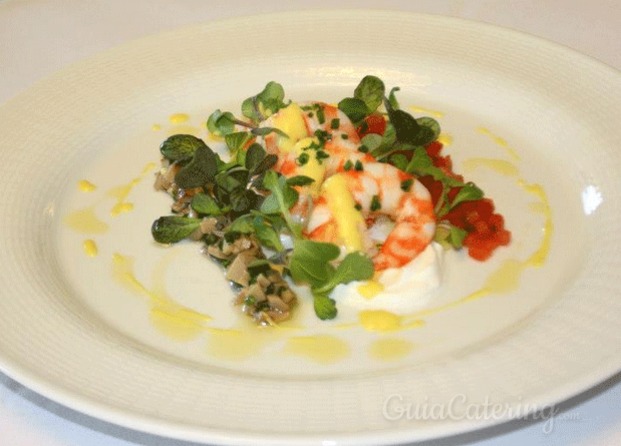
(141, 326)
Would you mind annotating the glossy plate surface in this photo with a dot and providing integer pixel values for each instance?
(145, 336)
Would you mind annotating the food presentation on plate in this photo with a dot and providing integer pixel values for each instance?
(326, 196)
(311, 226)
(334, 230)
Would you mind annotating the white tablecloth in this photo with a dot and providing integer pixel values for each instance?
(38, 37)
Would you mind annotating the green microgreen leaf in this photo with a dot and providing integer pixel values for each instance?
(200, 170)
(266, 103)
(267, 234)
(371, 91)
(172, 228)
(221, 123)
(450, 236)
(254, 155)
(325, 307)
(392, 98)
(206, 205)
(262, 131)
(181, 147)
(280, 200)
(355, 266)
(355, 109)
(236, 141)
(310, 262)
(469, 192)
(430, 130)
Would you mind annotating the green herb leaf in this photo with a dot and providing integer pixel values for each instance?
(254, 155)
(236, 141)
(372, 141)
(205, 205)
(200, 171)
(325, 307)
(406, 127)
(450, 236)
(242, 225)
(266, 163)
(267, 235)
(430, 130)
(262, 131)
(355, 109)
(399, 160)
(220, 123)
(421, 164)
(282, 197)
(310, 262)
(180, 147)
(371, 91)
(263, 105)
(355, 266)
(392, 98)
(469, 192)
(172, 228)
(300, 180)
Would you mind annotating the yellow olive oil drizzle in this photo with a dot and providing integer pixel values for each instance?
(170, 318)
(507, 276)
(181, 323)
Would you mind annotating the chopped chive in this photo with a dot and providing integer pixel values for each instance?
(407, 184)
(310, 114)
(358, 206)
(376, 204)
(348, 165)
(358, 166)
(321, 117)
(344, 136)
(334, 124)
(321, 155)
(302, 159)
(363, 149)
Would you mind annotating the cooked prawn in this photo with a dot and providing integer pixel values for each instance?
(312, 128)
(382, 190)
(378, 189)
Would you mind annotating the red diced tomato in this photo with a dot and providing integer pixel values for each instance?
(374, 123)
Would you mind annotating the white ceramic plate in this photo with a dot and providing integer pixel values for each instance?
(75, 328)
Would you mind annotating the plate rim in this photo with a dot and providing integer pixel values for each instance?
(144, 423)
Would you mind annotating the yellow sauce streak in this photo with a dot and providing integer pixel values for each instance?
(500, 166)
(178, 118)
(323, 349)
(170, 318)
(90, 248)
(390, 349)
(445, 139)
(539, 257)
(122, 192)
(121, 208)
(499, 141)
(370, 289)
(85, 221)
(156, 127)
(176, 322)
(236, 344)
(433, 113)
(379, 320)
(383, 321)
(86, 186)
(507, 276)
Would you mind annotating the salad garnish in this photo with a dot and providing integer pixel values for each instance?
(259, 210)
